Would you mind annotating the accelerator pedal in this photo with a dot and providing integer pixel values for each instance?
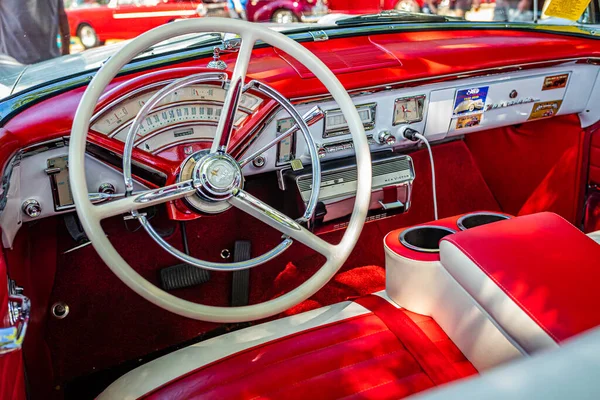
(183, 275)
(240, 284)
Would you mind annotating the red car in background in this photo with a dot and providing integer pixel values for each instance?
(94, 22)
(373, 6)
(285, 11)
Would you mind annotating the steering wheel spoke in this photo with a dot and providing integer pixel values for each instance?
(284, 224)
(145, 199)
(232, 99)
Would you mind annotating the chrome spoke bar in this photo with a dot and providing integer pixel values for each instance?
(284, 224)
(145, 199)
(232, 99)
(313, 116)
(310, 143)
(149, 106)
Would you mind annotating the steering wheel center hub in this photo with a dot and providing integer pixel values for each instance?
(220, 174)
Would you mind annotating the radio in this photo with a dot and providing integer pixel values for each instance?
(393, 176)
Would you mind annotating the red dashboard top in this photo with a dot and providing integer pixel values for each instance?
(395, 58)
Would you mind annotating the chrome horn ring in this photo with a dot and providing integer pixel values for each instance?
(216, 176)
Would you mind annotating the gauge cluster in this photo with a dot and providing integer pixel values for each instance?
(190, 113)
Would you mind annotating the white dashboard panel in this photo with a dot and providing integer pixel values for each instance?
(439, 121)
(29, 181)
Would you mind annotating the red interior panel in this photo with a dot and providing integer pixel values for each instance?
(545, 264)
(364, 55)
(533, 167)
(594, 175)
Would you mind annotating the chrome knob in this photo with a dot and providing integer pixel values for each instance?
(385, 137)
(259, 162)
(322, 152)
(32, 208)
(107, 188)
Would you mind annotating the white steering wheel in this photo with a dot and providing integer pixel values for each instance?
(224, 188)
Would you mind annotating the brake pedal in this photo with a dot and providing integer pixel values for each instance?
(240, 284)
(183, 275)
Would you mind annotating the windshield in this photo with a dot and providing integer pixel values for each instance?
(43, 41)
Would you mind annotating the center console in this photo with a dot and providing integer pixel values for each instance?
(417, 281)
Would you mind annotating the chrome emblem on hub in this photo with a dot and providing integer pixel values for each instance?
(221, 174)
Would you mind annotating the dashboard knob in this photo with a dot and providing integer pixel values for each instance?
(322, 152)
(385, 137)
(107, 188)
(259, 161)
(32, 208)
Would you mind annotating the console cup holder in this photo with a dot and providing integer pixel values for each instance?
(425, 238)
(477, 219)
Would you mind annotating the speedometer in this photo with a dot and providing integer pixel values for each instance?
(111, 120)
(175, 115)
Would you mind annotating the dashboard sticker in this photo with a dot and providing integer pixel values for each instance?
(469, 101)
(544, 109)
(555, 82)
(469, 121)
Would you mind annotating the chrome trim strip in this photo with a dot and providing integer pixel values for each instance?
(11, 338)
(344, 130)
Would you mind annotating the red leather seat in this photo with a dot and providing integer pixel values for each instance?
(387, 353)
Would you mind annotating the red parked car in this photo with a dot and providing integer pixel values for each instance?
(96, 21)
(373, 6)
(285, 11)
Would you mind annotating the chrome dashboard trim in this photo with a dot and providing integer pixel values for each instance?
(329, 133)
(420, 100)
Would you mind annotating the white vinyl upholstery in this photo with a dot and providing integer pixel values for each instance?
(595, 236)
(570, 372)
(154, 374)
(505, 312)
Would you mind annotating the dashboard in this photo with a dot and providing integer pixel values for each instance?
(440, 111)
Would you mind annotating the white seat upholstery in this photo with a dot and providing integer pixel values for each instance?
(154, 374)
(595, 236)
(570, 372)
